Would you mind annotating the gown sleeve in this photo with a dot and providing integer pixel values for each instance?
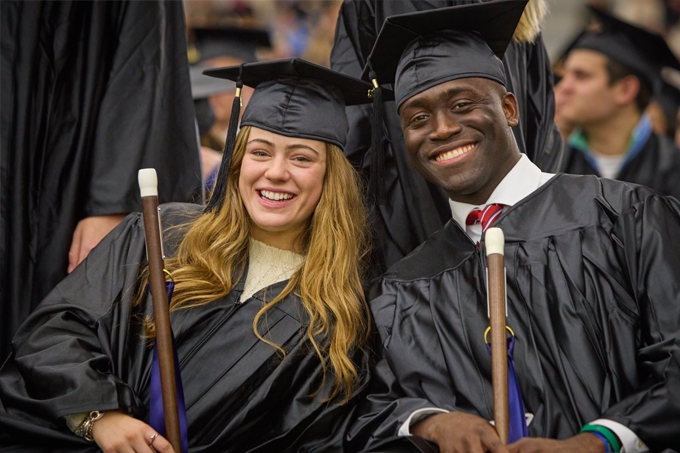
(648, 245)
(387, 405)
(72, 354)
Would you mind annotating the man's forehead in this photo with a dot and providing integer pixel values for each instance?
(471, 86)
(585, 59)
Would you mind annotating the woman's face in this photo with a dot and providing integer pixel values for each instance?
(280, 184)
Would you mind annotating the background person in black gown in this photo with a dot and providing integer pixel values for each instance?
(91, 92)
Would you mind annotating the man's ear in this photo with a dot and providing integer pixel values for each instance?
(627, 89)
(510, 109)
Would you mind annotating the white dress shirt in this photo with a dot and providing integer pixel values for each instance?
(522, 180)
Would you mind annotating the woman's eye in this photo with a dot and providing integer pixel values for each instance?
(302, 159)
(258, 152)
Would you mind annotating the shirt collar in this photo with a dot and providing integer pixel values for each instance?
(522, 180)
(638, 139)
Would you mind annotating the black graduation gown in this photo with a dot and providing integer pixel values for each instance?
(415, 208)
(592, 271)
(656, 166)
(91, 93)
(81, 350)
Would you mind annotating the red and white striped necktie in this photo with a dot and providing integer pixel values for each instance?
(486, 216)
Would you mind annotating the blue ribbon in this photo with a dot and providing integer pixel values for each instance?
(518, 421)
(156, 411)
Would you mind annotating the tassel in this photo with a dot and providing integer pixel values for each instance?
(377, 183)
(220, 191)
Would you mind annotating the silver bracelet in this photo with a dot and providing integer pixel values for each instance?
(85, 428)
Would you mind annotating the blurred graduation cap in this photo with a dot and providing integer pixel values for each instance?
(202, 87)
(291, 97)
(237, 42)
(418, 51)
(643, 52)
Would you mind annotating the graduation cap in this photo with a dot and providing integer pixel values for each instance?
(418, 51)
(291, 97)
(203, 86)
(643, 52)
(238, 42)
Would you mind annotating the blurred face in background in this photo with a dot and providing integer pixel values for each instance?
(584, 96)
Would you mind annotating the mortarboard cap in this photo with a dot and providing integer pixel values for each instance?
(203, 86)
(291, 97)
(297, 98)
(237, 42)
(641, 51)
(417, 51)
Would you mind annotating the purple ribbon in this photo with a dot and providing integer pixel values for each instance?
(156, 411)
(518, 421)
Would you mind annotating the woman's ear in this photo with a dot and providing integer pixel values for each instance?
(510, 109)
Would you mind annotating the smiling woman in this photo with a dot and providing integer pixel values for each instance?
(270, 321)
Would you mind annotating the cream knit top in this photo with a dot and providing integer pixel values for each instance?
(268, 265)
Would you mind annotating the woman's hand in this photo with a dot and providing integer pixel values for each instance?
(116, 432)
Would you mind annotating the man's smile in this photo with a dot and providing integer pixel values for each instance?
(458, 151)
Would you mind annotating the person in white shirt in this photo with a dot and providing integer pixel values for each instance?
(591, 263)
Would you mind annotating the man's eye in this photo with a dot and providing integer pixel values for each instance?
(418, 118)
(460, 105)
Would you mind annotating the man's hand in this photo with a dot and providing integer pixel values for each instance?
(116, 432)
(457, 432)
(87, 235)
(581, 443)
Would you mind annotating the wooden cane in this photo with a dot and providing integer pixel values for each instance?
(148, 186)
(495, 242)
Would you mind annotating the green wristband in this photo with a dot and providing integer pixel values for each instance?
(606, 432)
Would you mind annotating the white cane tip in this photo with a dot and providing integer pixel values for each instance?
(148, 182)
(495, 241)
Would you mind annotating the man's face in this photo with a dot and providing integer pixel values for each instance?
(586, 97)
(458, 136)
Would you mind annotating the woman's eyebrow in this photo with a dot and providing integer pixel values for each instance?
(301, 146)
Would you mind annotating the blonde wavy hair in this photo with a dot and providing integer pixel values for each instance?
(213, 255)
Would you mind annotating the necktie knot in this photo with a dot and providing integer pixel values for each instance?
(486, 216)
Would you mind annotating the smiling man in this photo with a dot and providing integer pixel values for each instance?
(591, 269)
